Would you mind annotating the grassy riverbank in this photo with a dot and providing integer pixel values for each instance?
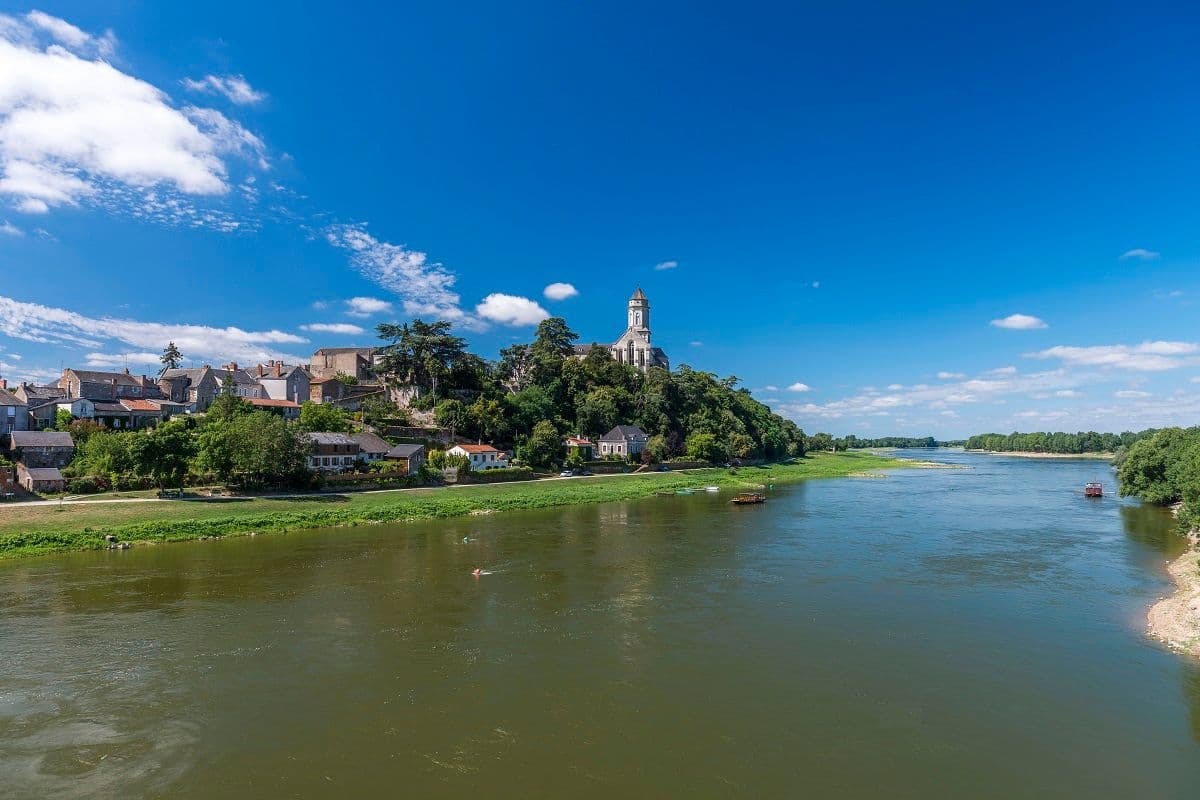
(32, 530)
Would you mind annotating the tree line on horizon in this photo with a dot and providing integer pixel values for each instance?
(1058, 442)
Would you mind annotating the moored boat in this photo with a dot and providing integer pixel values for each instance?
(1093, 490)
(712, 489)
(749, 498)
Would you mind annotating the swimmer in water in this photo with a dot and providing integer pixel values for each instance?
(477, 572)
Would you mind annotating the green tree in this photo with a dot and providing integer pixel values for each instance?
(227, 405)
(62, 420)
(488, 419)
(452, 414)
(516, 367)
(705, 447)
(323, 417)
(171, 358)
(420, 353)
(163, 453)
(544, 446)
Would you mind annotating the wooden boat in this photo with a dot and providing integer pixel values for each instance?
(749, 499)
(1093, 490)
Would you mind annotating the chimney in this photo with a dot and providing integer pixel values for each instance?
(127, 370)
(277, 365)
(3, 383)
(261, 370)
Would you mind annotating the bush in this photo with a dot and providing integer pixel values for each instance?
(501, 475)
(82, 486)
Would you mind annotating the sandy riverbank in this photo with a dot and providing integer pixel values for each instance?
(1030, 454)
(1175, 620)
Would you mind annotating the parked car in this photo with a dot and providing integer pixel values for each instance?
(567, 473)
(663, 468)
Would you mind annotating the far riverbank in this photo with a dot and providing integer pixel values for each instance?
(52, 527)
(1032, 454)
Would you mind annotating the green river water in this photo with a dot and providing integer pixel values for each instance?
(934, 634)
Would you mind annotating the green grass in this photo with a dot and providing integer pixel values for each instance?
(54, 527)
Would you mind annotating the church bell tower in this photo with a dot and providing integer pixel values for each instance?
(639, 312)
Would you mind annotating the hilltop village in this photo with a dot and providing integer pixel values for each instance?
(415, 409)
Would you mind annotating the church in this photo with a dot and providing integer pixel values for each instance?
(634, 347)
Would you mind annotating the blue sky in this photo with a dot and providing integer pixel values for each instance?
(854, 202)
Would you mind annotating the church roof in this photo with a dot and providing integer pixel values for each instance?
(639, 294)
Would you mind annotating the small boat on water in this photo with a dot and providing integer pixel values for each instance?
(749, 499)
(712, 489)
(685, 491)
(1093, 490)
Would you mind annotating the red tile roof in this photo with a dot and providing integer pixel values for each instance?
(140, 405)
(478, 448)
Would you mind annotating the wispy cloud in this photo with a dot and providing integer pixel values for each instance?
(366, 306)
(49, 325)
(1140, 254)
(1144, 357)
(799, 387)
(425, 287)
(1068, 393)
(662, 265)
(234, 88)
(9, 229)
(121, 359)
(946, 376)
(1019, 322)
(508, 309)
(1130, 393)
(340, 328)
(560, 291)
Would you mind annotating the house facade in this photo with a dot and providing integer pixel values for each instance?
(481, 456)
(409, 457)
(41, 449)
(106, 386)
(284, 408)
(332, 452)
(623, 441)
(357, 362)
(585, 449)
(371, 448)
(282, 381)
(14, 413)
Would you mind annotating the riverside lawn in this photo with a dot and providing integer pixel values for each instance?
(32, 530)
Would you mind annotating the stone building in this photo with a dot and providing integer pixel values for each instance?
(634, 348)
(623, 440)
(357, 362)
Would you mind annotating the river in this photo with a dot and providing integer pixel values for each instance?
(932, 634)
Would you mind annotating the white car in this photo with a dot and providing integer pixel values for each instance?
(567, 473)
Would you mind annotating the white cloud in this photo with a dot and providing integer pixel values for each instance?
(366, 306)
(1130, 393)
(121, 359)
(75, 130)
(1068, 393)
(1144, 357)
(1019, 322)
(508, 309)
(234, 88)
(426, 288)
(816, 284)
(660, 266)
(10, 229)
(946, 376)
(1002, 371)
(770, 388)
(343, 328)
(72, 37)
(1140, 253)
(696, 343)
(560, 291)
(46, 324)
(799, 387)
(320, 305)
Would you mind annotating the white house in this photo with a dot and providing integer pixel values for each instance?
(481, 456)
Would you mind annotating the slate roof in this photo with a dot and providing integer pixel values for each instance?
(330, 438)
(370, 443)
(110, 408)
(44, 473)
(9, 399)
(40, 393)
(638, 294)
(365, 352)
(268, 402)
(40, 439)
(405, 450)
(285, 371)
(623, 433)
(91, 376)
